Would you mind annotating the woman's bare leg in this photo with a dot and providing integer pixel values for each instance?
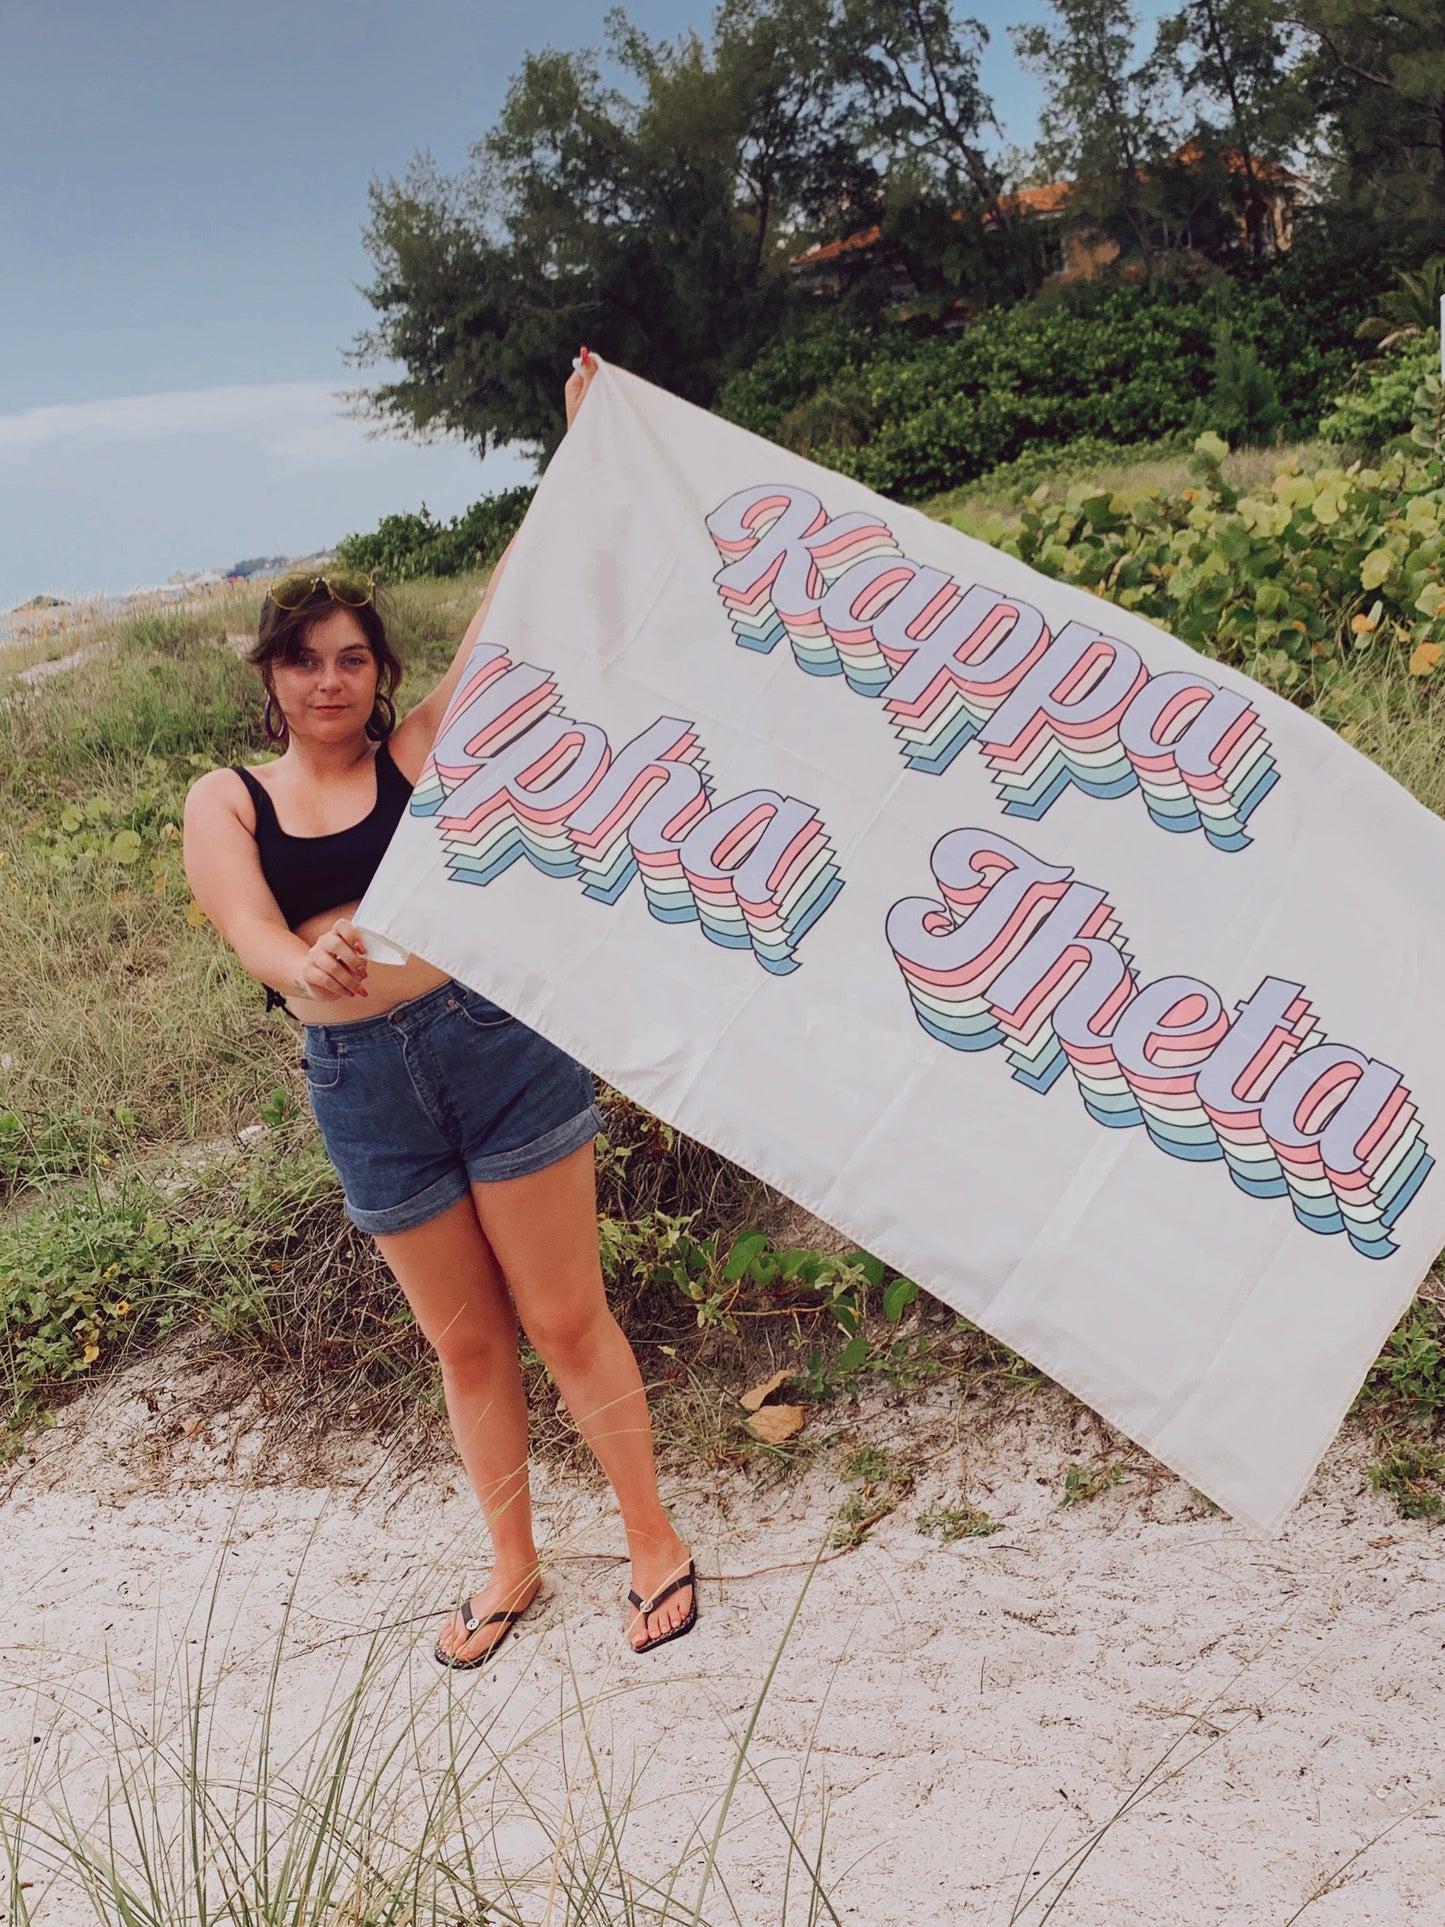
(543, 1232)
(454, 1287)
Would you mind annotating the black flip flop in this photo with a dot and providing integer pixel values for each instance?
(647, 1606)
(475, 1625)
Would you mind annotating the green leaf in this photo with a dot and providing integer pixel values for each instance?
(745, 1249)
(899, 1295)
(125, 847)
(1376, 568)
(854, 1355)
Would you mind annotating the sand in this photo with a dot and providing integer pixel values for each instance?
(961, 1713)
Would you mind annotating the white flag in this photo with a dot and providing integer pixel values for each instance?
(1075, 975)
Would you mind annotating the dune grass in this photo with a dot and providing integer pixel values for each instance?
(1162, 465)
(404, 1800)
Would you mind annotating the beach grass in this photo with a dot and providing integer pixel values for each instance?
(1152, 465)
(402, 1796)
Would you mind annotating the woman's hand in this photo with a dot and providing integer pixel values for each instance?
(578, 382)
(335, 964)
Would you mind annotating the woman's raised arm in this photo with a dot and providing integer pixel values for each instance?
(413, 737)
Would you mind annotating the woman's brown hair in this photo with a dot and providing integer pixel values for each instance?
(282, 633)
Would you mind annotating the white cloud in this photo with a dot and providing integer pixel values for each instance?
(115, 493)
(185, 411)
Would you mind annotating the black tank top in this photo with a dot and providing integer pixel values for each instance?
(307, 874)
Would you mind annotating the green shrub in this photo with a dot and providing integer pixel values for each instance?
(1412, 1472)
(248, 1248)
(948, 409)
(83, 1277)
(1115, 364)
(1243, 403)
(1408, 1378)
(255, 1249)
(1382, 406)
(404, 547)
(38, 1147)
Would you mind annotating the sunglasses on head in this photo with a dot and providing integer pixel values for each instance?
(345, 586)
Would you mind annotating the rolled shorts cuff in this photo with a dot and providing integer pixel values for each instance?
(438, 1197)
(541, 1152)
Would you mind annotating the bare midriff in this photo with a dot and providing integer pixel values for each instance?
(387, 985)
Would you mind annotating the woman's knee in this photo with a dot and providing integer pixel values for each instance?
(569, 1333)
(470, 1350)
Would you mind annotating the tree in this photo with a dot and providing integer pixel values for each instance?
(922, 101)
(1374, 70)
(653, 220)
(1108, 121)
(1232, 59)
(1243, 396)
(919, 112)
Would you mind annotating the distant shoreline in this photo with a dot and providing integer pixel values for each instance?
(44, 616)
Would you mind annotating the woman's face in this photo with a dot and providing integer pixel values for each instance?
(328, 692)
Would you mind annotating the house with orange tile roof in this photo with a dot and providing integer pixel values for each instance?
(1075, 249)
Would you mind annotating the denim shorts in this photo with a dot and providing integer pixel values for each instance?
(440, 1092)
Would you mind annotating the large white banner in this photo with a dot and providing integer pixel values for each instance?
(1073, 974)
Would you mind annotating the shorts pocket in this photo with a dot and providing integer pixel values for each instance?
(322, 1073)
(481, 1013)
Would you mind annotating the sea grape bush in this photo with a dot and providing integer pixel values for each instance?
(1385, 403)
(1288, 582)
(126, 840)
(715, 1275)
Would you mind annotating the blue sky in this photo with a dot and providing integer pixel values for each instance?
(185, 188)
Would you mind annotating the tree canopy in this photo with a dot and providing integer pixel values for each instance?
(649, 197)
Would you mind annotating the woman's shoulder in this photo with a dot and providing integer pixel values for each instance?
(224, 789)
(403, 769)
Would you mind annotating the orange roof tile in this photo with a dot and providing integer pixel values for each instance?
(830, 250)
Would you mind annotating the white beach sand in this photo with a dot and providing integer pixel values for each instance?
(967, 1710)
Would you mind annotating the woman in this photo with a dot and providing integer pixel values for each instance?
(463, 1140)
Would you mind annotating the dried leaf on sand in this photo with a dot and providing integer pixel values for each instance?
(752, 1399)
(774, 1423)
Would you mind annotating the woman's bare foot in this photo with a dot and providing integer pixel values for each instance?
(511, 1590)
(656, 1562)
